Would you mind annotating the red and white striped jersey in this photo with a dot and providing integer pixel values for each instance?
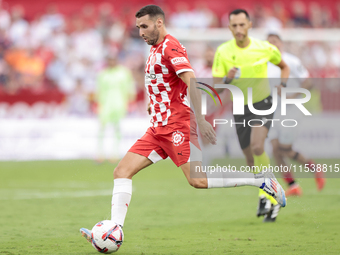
(167, 92)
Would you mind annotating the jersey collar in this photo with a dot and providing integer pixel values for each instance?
(250, 41)
(160, 42)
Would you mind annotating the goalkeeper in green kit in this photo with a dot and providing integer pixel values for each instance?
(115, 89)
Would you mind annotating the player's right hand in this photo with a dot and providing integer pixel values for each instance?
(207, 131)
(232, 73)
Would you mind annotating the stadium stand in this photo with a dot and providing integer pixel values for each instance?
(44, 46)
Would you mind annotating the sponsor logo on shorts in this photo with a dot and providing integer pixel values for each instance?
(179, 60)
(177, 138)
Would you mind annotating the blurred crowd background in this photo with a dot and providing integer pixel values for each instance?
(53, 50)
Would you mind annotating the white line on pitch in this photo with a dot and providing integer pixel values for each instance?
(31, 194)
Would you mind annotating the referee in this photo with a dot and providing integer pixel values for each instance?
(242, 62)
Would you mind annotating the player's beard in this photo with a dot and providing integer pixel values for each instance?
(241, 37)
(154, 36)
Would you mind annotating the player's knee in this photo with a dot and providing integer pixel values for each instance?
(257, 148)
(276, 152)
(198, 183)
(293, 154)
(120, 172)
(286, 151)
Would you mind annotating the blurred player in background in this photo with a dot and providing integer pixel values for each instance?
(168, 76)
(115, 89)
(282, 139)
(203, 70)
(246, 57)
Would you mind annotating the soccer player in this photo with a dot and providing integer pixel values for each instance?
(282, 138)
(167, 80)
(236, 60)
(203, 69)
(115, 89)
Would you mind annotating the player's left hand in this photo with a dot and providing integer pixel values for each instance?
(279, 87)
(207, 131)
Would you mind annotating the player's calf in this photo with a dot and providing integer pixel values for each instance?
(197, 179)
(198, 183)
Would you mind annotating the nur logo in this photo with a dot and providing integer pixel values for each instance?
(238, 99)
(204, 99)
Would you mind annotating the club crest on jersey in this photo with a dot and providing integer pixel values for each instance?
(179, 60)
(177, 138)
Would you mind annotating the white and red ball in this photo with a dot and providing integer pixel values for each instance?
(107, 236)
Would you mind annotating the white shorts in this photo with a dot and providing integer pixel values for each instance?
(285, 135)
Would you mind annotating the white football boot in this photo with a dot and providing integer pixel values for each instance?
(273, 188)
(86, 233)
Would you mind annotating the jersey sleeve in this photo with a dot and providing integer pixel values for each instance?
(274, 54)
(298, 70)
(178, 58)
(219, 68)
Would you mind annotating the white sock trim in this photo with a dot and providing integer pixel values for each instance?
(215, 180)
(233, 179)
(122, 185)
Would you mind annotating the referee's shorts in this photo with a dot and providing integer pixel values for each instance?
(244, 130)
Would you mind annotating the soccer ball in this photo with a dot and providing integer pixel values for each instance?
(107, 236)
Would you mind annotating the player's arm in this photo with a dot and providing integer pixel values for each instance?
(284, 76)
(284, 71)
(195, 97)
(276, 58)
(226, 79)
(179, 61)
(299, 71)
(306, 84)
(219, 71)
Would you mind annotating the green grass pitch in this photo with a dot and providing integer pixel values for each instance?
(44, 203)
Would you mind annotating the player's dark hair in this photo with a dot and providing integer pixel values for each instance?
(276, 35)
(151, 10)
(238, 11)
